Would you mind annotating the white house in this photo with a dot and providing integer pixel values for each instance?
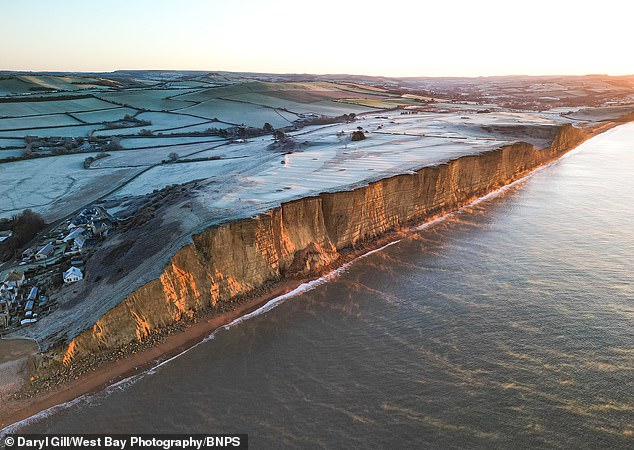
(72, 275)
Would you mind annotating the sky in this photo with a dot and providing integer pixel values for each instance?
(390, 38)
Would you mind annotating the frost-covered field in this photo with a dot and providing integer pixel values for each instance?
(325, 107)
(11, 143)
(156, 177)
(37, 122)
(247, 177)
(151, 99)
(151, 156)
(53, 186)
(200, 128)
(67, 131)
(106, 115)
(142, 142)
(254, 177)
(238, 113)
(52, 107)
(162, 121)
(11, 153)
(27, 84)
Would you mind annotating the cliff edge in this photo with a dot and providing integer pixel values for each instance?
(301, 239)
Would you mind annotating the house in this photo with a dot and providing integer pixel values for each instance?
(100, 226)
(78, 221)
(45, 252)
(73, 275)
(14, 276)
(74, 234)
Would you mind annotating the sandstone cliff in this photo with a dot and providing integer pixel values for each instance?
(303, 238)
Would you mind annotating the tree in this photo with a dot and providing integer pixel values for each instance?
(24, 226)
(279, 135)
(267, 127)
(358, 136)
(173, 156)
(114, 144)
(243, 132)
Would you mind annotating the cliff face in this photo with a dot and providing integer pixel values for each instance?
(303, 238)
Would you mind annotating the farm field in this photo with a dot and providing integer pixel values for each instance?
(151, 156)
(66, 131)
(319, 157)
(201, 128)
(37, 122)
(238, 113)
(11, 153)
(144, 142)
(52, 106)
(300, 98)
(106, 115)
(156, 177)
(28, 84)
(383, 102)
(150, 99)
(4, 143)
(321, 107)
(161, 120)
(53, 186)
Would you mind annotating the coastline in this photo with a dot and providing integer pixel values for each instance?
(194, 333)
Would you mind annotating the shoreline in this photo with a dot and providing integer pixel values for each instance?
(15, 410)
(194, 333)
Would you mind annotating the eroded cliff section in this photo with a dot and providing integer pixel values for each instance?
(301, 239)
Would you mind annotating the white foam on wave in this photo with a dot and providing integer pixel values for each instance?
(40, 415)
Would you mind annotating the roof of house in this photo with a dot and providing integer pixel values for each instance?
(47, 249)
(73, 234)
(73, 271)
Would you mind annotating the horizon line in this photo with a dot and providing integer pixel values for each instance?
(52, 72)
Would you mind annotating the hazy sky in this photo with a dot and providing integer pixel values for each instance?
(398, 38)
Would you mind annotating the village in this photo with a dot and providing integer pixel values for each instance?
(57, 259)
